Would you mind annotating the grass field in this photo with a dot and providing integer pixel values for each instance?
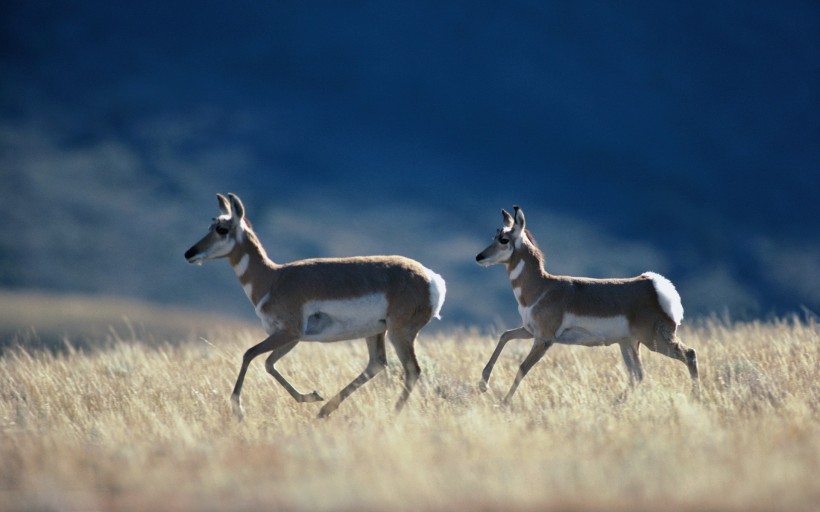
(136, 426)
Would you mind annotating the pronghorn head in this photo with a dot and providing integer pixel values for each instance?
(506, 241)
(223, 234)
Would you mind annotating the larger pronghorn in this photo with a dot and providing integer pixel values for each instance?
(582, 311)
(325, 300)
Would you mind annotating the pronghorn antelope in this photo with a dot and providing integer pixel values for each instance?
(325, 300)
(583, 311)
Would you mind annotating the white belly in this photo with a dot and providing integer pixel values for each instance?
(335, 320)
(592, 330)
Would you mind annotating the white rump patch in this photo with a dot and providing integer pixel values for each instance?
(592, 330)
(344, 319)
(667, 296)
(438, 289)
(516, 272)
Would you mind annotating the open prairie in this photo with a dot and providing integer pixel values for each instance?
(148, 426)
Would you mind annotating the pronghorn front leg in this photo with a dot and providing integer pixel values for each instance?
(513, 334)
(277, 354)
(539, 348)
(272, 342)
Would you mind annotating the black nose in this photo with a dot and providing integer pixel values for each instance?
(478, 258)
(190, 253)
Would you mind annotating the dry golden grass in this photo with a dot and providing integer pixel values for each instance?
(139, 427)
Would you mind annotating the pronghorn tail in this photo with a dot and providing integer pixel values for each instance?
(667, 296)
(438, 289)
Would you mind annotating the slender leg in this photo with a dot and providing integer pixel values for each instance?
(630, 352)
(632, 358)
(272, 342)
(513, 334)
(377, 362)
(403, 343)
(539, 348)
(277, 354)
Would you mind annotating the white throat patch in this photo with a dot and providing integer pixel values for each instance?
(515, 273)
(242, 267)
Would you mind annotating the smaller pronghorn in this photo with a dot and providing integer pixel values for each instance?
(325, 300)
(582, 311)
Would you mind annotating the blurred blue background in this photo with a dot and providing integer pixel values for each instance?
(680, 137)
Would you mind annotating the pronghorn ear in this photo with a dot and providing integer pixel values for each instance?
(508, 219)
(224, 205)
(237, 207)
(520, 221)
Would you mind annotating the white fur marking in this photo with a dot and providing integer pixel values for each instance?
(590, 328)
(526, 317)
(499, 256)
(526, 314)
(438, 289)
(521, 239)
(243, 226)
(242, 266)
(667, 296)
(516, 272)
(344, 319)
(261, 304)
(248, 291)
(270, 323)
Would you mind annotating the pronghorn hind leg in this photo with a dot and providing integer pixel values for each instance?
(277, 354)
(539, 348)
(631, 352)
(513, 334)
(272, 342)
(403, 343)
(377, 362)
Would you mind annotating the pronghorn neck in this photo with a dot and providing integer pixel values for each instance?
(251, 264)
(526, 272)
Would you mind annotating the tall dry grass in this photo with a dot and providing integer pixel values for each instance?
(136, 427)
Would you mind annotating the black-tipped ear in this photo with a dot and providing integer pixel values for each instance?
(237, 207)
(508, 219)
(224, 205)
(520, 221)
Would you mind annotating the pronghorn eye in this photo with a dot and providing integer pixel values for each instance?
(222, 230)
(504, 241)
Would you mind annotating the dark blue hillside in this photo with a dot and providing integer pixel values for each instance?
(677, 136)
